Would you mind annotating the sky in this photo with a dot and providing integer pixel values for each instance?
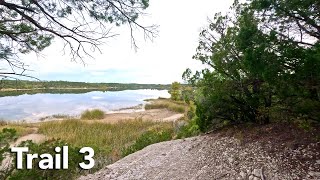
(161, 61)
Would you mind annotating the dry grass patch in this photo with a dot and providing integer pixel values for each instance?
(176, 106)
(93, 114)
(21, 128)
(106, 139)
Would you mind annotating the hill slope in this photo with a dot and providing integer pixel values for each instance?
(219, 156)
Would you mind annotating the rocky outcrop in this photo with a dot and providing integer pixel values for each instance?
(214, 157)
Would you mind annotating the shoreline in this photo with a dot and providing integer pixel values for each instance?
(52, 88)
(130, 112)
(125, 110)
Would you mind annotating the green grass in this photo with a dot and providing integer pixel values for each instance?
(147, 138)
(22, 129)
(175, 106)
(108, 140)
(93, 114)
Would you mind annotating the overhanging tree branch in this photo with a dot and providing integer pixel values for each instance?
(27, 26)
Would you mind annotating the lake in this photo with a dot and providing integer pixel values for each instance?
(35, 106)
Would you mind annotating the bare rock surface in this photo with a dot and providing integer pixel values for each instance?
(212, 157)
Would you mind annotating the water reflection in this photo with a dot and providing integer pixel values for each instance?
(34, 106)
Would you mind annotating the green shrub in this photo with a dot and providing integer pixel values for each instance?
(74, 158)
(175, 91)
(6, 136)
(93, 114)
(147, 138)
(189, 130)
(307, 109)
(303, 123)
(191, 113)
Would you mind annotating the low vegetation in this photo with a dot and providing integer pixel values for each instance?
(93, 114)
(106, 139)
(109, 141)
(21, 129)
(188, 130)
(74, 158)
(176, 106)
(6, 135)
(151, 136)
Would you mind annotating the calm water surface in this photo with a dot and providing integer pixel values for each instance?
(35, 106)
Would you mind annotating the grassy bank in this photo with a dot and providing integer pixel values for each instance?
(22, 129)
(171, 105)
(109, 140)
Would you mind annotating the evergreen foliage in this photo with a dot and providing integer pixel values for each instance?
(263, 61)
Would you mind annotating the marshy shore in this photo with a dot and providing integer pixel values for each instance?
(112, 135)
(147, 144)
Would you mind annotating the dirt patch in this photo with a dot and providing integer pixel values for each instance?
(287, 142)
(131, 114)
(36, 138)
(152, 115)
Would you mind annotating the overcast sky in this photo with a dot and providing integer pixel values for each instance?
(160, 61)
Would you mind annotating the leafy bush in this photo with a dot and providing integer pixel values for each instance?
(175, 91)
(147, 138)
(93, 114)
(74, 158)
(190, 127)
(187, 94)
(252, 73)
(307, 108)
(6, 136)
(21, 129)
(189, 130)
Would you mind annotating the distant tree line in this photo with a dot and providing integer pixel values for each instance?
(24, 85)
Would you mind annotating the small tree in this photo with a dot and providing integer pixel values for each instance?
(175, 91)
